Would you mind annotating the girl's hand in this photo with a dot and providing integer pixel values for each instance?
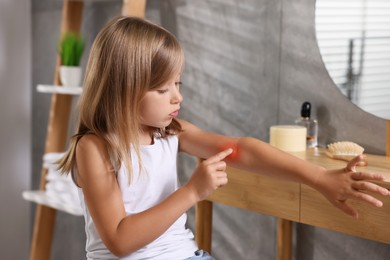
(340, 185)
(209, 175)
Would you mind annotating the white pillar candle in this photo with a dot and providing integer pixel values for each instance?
(289, 138)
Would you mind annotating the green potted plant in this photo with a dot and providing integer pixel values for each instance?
(71, 49)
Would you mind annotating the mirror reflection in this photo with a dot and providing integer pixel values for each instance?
(354, 41)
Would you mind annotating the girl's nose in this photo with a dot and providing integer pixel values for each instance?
(177, 97)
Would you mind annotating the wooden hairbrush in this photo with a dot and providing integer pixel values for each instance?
(345, 151)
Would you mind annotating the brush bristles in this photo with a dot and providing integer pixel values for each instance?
(345, 149)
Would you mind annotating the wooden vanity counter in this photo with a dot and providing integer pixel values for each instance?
(299, 203)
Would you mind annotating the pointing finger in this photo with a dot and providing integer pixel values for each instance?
(219, 156)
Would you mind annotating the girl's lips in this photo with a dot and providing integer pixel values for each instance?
(174, 114)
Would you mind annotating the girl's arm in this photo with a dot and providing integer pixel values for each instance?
(125, 234)
(256, 156)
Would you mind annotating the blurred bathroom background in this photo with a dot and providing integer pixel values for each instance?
(250, 64)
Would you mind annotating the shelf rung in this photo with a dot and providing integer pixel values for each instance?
(40, 197)
(59, 89)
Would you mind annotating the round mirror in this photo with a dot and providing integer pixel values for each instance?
(354, 41)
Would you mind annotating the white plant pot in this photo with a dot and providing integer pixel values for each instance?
(70, 76)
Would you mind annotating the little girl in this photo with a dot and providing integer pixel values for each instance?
(123, 155)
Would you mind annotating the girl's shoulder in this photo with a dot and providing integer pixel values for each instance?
(91, 147)
(189, 131)
(90, 142)
(92, 159)
(190, 136)
(187, 127)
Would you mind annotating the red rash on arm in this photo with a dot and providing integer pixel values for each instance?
(235, 154)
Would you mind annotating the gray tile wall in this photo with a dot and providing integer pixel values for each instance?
(250, 64)
(15, 127)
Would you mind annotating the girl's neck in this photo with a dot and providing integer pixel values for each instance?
(146, 136)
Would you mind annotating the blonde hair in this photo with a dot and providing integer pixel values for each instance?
(129, 57)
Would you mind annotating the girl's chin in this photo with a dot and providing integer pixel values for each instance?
(160, 125)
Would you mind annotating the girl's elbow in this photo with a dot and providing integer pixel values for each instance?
(119, 249)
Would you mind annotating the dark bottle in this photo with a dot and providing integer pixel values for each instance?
(310, 124)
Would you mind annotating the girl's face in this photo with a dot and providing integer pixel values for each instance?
(159, 106)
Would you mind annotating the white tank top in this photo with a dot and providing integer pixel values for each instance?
(156, 182)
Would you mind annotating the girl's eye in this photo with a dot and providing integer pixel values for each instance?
(162, 91)
(178, 83)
